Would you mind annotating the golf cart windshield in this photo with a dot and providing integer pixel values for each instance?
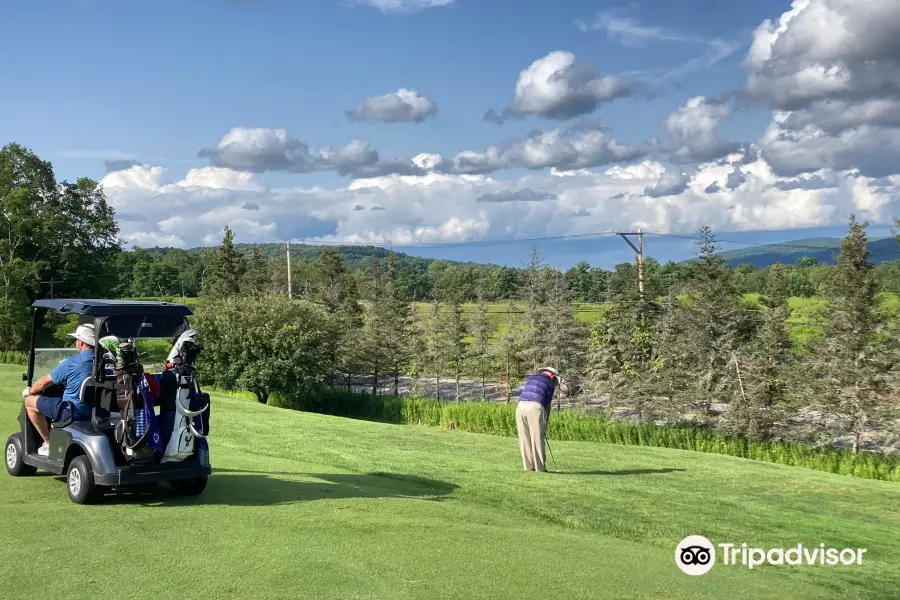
(153, 334)
(144, 326)
(46, 359)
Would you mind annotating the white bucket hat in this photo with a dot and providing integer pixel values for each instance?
(85, 333)
(549, 370)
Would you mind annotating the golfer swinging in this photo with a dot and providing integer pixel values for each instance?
(533, 415)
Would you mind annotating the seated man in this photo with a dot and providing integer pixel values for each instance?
(70, 373)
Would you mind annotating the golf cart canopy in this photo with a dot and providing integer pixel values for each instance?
(110, 308)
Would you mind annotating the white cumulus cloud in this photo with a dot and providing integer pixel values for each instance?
(560, 87)
(745, 194)
(831, 71)
(401, 106)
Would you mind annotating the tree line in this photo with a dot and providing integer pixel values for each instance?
(170, 272)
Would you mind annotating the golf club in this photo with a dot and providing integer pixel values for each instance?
(549, 449)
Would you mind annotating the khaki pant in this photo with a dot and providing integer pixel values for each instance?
(531, 424)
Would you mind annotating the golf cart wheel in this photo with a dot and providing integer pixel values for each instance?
(80, 482)
(14, 455)
(189, 487)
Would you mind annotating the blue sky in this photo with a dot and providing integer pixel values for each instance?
(157, 83)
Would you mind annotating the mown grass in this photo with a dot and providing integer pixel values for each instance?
(303, 505)
(571, 425)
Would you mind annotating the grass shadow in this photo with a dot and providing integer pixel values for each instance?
(623, 472)
(252, 488)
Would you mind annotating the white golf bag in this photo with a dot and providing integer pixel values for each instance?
(184, 432)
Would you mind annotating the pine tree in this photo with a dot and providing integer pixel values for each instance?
(508, 359)
(699, 334)
(761, 367)
(538, 321)
(852, 371)
(225, 270)
(567, 336)
(256, 278)
(436, 344)
(454, 328)
(330, 280)
(417, 334)
(624, 356)
(375, 328)
(335, 289)
(481, 329)
(398, 316)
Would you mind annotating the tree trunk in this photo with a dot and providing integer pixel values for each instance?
(375, 382)
(508, 382)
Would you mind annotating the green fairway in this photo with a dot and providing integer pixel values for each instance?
(309, 506)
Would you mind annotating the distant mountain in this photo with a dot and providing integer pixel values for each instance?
(353, 257)
(823, 250)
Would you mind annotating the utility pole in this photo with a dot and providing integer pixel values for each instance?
(290, 289)
(639, 250)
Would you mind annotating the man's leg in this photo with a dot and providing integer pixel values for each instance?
(37, 418)
(537, 429)
(524, 438)
(543, 439)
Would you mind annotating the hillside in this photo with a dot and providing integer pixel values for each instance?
(309, 506)
(353, 257)
(823, 250)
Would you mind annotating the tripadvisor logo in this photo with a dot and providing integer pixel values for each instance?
(696, 555)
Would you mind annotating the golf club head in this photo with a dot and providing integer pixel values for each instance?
(183, 339)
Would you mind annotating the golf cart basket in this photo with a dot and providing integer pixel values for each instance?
(118, 383)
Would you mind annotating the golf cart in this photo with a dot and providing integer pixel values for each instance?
(126, 443)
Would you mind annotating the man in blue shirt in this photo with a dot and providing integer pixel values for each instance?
(532, 416)
(70, 373)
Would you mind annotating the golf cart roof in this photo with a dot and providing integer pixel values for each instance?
(109, 308)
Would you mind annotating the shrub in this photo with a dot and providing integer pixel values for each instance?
(266, 345)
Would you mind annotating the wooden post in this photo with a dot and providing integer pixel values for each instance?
(289, 287)
(639, 251)
(640, 257)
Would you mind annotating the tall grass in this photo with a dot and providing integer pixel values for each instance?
(12, 357)
(499, 419)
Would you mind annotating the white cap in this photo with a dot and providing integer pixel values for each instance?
(85, 333)
(549, 369)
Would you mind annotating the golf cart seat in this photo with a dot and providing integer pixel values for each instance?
(101, 398)
(91, 394)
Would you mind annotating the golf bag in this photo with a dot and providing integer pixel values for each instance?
(137, 432)
(184, 404)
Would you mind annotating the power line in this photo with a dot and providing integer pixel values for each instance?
(765, 244)
(466, 243)
(389, 243)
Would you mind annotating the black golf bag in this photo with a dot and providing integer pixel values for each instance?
(136, 432)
